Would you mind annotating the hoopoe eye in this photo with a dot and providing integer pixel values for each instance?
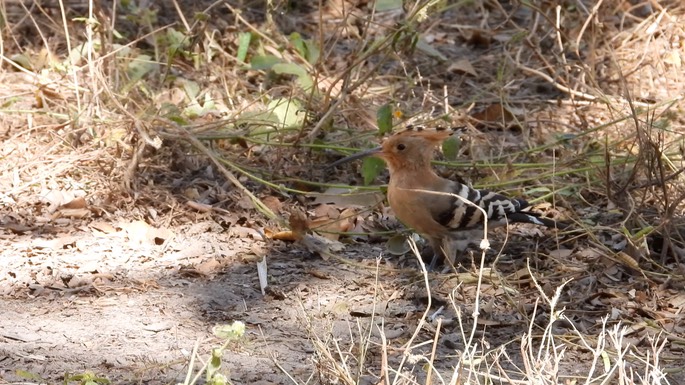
(401, 146)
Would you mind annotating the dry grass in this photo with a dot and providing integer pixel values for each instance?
(579, 106)
(544, 355)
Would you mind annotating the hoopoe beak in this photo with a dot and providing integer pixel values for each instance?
(363, 154)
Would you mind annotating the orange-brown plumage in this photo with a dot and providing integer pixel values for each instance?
(427, 203)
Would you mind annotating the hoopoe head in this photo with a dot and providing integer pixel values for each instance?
(409, 149)
(413, 147)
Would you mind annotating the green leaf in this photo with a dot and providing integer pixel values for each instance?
(662, 124)
(298, 43)
(646, 231)
(387, 5)
(428, 49)
(121, 51)
(289, 68)
(214, 363)
(22, 60)
(197, 107)
(371, 167)
(201, 16)
(313, 52)
(117, 34)
(306, 48)
(397, 245)
(538, 190)
(566, 192)
(303, 78)
(28, 375)
(263, 62)
(288, 111)
(140, 66)
(177, 41)
(172, 112)
(305, 82)
(450, 148)
(200, 107)
(194, 110)
(218, 379)
(10, 101)
(244, 39)
(230, 332)
(606, 360)
(384, 119)
(191, 88)
(259, 122)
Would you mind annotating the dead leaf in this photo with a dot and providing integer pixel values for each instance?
(529, 231)
(288, 235)
(343, 197)
(677, 301)
(258, 249)
(318, 274)
(191, 193)
(521, 274)
(245, 202)
(77, 281)
(627, 260)
(103, 227)
(496, 114)
(329, 222)
(561, 253)
(673, 58)
(635, 327)
(54, 244)
(158, 326)
(273, 203)
(245, 232)
(487, 322)
(434, 37)
(321, 246)
(59, 198)
(77, 203)
(201, 207)
(326, 211)
(298, 223)
(17, 228)
(641, 297)
(462, 66)
(136, 231)
(208, 267)
(480, 38)
(71, 213)
(158, 236)
(348, 219)
(589, 254)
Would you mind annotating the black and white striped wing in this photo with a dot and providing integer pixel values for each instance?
(498, 208)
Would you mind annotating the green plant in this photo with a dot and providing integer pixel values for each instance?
(212, 366)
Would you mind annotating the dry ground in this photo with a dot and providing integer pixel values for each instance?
(127, 232)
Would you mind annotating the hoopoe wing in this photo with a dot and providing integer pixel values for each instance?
(499, 209)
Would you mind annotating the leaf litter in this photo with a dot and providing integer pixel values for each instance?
(90, 265)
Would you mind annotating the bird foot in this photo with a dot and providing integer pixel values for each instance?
(434, 263)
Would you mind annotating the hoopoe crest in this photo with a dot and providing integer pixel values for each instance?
(426, 202)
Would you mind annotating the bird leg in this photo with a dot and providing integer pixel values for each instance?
(450, 249)
(443, 251)
(438, 252)
(434, 261)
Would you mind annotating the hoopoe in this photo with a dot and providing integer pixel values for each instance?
(425, 201)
